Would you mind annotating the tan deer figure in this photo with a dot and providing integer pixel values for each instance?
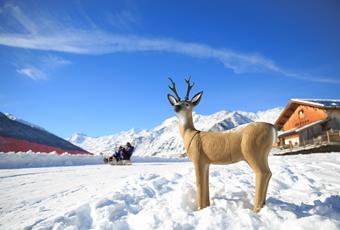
(250, 143)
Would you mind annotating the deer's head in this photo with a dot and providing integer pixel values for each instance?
(186, 105)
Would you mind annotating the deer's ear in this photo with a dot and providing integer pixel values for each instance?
(197, 98)
(172, 100)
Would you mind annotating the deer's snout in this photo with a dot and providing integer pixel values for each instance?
(177, 108)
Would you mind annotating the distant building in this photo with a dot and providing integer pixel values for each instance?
(309, 125)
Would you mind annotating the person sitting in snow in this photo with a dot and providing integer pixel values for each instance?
(128, 150)
(118, 155)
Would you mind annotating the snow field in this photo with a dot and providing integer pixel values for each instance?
(29, 196)
(304, 193)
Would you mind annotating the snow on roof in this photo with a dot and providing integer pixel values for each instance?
(320, 102)
(295, 102)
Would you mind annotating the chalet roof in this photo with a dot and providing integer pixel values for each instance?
(294, 103)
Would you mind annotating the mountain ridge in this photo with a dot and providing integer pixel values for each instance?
(164, 140)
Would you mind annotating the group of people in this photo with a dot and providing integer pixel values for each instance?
(123, 152)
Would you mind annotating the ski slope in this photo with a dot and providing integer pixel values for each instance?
(304, 193)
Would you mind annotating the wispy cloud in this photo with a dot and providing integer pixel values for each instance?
(99, 42)
(25, 22)
(41, 67)
(53, 61)
(32, 72)
(122, 19)
(55, 37)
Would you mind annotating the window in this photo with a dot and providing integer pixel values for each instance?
(301, 114)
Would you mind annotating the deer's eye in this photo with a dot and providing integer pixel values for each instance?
(187, 104)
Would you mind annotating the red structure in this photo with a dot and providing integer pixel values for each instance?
(8, 144)
(16, 136)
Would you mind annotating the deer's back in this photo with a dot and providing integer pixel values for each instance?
(224, 148)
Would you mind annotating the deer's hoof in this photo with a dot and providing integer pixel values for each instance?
(256, 209)
(203, 206)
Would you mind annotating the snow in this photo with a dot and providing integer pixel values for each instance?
(304, 193)
(319, 102)
(78, 138)
(12, 160)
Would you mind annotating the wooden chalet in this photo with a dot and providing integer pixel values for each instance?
(309, 125)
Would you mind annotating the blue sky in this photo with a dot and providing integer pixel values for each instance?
(100, 67)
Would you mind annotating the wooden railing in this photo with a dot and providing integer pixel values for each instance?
(328, 137)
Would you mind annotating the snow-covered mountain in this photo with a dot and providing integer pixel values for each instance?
(164, 140)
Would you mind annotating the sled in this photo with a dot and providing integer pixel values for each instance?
(113, 161)
(122, 162)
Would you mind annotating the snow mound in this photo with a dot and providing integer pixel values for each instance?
(30, 159)
(15, 160)
(303, 194)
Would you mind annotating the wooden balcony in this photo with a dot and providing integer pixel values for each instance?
(326, 142)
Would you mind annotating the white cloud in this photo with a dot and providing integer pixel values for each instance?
(62, 38)
(32, 72)
(100, 42)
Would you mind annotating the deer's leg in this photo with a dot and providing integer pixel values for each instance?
(264, 171)
(268, 175)
(202, 184)
(262, 180)
(259, 164)
(199, 183)
(206, 197)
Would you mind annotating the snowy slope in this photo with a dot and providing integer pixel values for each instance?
(269, 115)
(304, 193)
(164, 140)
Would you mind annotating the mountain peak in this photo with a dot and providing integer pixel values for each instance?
(78, 138)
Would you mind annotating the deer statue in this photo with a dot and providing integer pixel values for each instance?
(251, 143)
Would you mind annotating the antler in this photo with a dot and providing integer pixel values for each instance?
(173, 89)
(189, 88)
